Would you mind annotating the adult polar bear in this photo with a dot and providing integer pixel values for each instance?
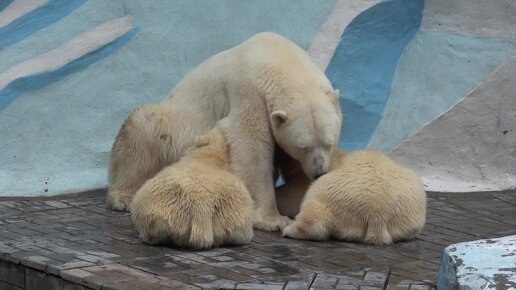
(271, 92)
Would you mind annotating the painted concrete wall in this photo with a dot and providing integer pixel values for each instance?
(431, 82)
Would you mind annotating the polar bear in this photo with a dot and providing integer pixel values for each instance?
(366, 198)
(195, 203)
(272, 94)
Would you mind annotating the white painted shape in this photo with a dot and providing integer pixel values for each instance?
(18, 8)
(472, 146)
(72, 50)
(494, 18)
(325, 42)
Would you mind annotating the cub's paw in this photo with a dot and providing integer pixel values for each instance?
(270, 223)
(301, 231)
(292, 231)
(118, 201)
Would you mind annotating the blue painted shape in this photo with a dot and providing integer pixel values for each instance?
(436, 70)
(280, 181)
(89, 15)
(37, 81)
(4, 3)
(35, 20)
(364, 63)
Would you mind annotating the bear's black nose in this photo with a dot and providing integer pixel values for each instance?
(317, 175)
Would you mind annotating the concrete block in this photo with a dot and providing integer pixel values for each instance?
(482, 264)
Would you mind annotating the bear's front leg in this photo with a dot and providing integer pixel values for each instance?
(258, 177)
(251, 158)
(266, 216)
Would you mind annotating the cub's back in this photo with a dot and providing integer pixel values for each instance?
(199, 182)
(368, 180)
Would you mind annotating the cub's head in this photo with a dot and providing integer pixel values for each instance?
(308, 130)
(215, 138)
(211, 147)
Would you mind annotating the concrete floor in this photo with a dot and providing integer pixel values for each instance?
(73, 241)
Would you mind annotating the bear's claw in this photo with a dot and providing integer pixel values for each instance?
(271, 223)
(116, 202)
(291, 231)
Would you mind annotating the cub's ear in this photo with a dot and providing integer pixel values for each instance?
(279, 117)
(202, 141)
(335, 96)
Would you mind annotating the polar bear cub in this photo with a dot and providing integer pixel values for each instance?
(195, 203)
(367, 198)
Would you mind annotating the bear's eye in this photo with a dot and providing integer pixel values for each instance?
(305, 148)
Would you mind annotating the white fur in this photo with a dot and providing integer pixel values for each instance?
(195, 203)
(366, 198)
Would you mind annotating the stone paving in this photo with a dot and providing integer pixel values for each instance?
(75, 243)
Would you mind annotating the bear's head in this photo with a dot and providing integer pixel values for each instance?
(308, 130)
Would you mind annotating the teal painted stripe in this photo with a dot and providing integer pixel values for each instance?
(35, 20)
(364, 63)
(4, 3)
(37, 81)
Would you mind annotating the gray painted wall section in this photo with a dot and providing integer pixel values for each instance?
(472, 146)
(477, 17)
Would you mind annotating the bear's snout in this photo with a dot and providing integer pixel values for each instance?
(320, 167)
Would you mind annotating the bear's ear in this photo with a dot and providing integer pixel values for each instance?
(334, 96)
(279, 117)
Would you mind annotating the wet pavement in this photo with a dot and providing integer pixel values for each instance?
(73, 242)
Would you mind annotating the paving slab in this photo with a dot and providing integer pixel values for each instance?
(73, 242)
